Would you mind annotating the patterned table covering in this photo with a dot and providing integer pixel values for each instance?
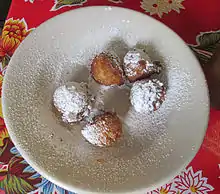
(196, 21)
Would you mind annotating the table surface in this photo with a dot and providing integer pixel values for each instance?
(196, 21)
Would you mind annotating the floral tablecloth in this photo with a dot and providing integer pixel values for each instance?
(196, 21)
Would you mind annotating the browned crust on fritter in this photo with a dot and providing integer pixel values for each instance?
(105, 71)
(110, 126)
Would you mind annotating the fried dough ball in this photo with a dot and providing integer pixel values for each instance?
(138, 65)
(147, 95)
(103, 130)
(106, 70)
(71, 100)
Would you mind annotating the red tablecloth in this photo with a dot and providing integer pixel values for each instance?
(196, 21)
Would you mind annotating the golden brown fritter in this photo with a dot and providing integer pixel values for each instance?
(138, 65)
(104, 129)
(106, 71)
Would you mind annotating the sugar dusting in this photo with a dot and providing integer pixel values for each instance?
(72, 101)
(92, 134)
(147, 95)
(146, 141)
(138, 129)
(131, 60)
(136, 55)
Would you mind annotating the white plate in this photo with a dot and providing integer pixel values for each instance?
(155, 146)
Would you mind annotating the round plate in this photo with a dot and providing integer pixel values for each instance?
(154, 148)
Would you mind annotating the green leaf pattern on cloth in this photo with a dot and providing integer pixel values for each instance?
(16, 176)
(206, 45)
(14, 184)
(58, 4)
(4, 61)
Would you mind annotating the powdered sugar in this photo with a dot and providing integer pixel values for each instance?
(147, 95)
(103, 129)
(132, 59)
(114, 57)
(92, 134)
(93, 112)
(137, 58)
(134, 56)
(72, 101)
